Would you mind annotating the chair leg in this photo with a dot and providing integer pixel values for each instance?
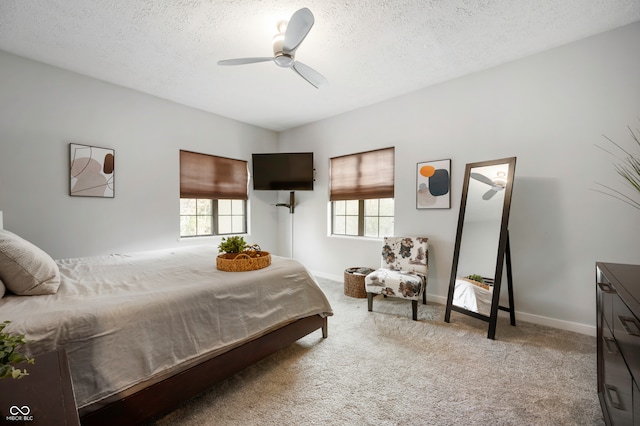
(369, 301)
(414, 309)
(424, 296)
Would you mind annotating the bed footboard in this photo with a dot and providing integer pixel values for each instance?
(161, 397)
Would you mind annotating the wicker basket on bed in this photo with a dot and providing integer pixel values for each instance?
(240, 262)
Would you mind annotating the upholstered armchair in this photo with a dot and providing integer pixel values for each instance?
(402, 273)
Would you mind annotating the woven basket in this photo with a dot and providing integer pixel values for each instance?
(354, 282)
(476, 283)
(240, 262)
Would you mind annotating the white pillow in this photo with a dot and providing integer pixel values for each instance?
(24, 268)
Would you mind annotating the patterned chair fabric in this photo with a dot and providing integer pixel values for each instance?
(403, 271)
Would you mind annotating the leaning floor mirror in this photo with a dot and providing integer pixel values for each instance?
(482, 243)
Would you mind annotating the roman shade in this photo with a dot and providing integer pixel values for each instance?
(212, 177)
(362, 176)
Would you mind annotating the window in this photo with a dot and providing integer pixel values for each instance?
(361, 194)
(213, 195)
(369, 218)
(200, 217)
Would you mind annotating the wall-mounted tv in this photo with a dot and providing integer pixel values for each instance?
(291, 171)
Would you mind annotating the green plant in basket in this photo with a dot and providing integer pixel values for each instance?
(476, 277)
(8, 355)
(235, 244)
(237, 256)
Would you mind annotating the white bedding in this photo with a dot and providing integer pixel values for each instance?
(126, 319)
(472, 298)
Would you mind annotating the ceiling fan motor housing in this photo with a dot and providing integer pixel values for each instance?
(280, 58)
(283, 60)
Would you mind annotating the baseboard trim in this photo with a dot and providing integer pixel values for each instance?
(589, 330)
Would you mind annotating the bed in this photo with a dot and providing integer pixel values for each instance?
(473, 297)
(145, 331)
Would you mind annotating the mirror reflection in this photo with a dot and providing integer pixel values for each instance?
(482, 243)
(479, 243)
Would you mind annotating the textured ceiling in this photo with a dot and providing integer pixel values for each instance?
(368, 50)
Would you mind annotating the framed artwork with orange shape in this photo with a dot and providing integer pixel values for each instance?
(433, 185)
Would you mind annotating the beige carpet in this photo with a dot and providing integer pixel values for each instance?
(382, 368)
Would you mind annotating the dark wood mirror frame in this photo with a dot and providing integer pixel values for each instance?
(504, 252)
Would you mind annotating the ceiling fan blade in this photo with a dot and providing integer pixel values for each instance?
(489, 194)
(243, 61)
(312, 76)
(297, 29)
(482, 178)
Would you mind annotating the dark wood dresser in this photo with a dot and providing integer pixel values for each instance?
(618, 329)
(44, 397)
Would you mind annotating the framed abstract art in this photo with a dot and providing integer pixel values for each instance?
(91, 171)
(433, 185)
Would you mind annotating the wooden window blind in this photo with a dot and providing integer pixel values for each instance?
(362, 176)
(209, 176)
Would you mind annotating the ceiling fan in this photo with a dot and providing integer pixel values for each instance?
(285, 44)
(496, 184)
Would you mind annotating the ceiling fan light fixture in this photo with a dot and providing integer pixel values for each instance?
(278, 40)
(500, 179)
(282, 26)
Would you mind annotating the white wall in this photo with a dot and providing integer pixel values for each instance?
(548, 110)
(45, 108)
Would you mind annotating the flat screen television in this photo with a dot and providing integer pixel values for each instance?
(291, 171)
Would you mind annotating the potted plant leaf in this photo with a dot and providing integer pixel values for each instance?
(239, 256)
(8, 356)
(627, 167)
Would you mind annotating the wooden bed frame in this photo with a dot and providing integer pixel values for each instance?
(159, 398)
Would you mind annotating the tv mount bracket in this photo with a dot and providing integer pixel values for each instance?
(292, 202)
